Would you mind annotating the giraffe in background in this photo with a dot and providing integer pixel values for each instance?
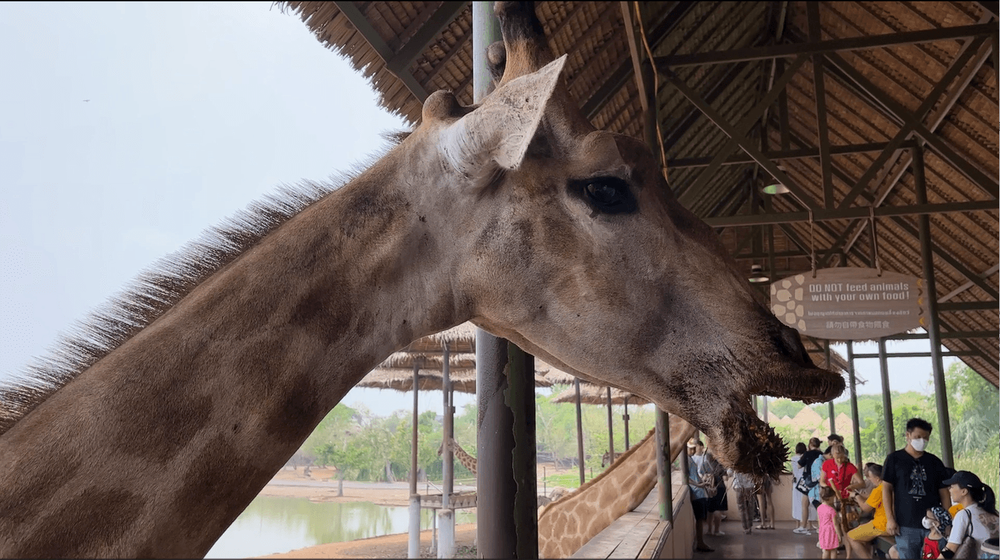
(568, 523)
(468, 461)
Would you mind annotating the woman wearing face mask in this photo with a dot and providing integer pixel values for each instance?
(979, 511)
(912, 483)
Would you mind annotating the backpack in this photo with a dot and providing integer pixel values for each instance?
(806, 483)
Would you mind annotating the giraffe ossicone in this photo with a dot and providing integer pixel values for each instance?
(533, 225)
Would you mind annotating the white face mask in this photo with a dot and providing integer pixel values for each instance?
(926, 523)
(919, 444)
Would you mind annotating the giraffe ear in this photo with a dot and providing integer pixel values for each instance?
(502, 127)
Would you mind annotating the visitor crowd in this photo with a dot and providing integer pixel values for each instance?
(912, 500)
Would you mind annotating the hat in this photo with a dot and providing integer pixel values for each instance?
(691, 445)
(942, 516)
(964, 479)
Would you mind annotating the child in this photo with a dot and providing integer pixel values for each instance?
(828, 540)
(937, 520)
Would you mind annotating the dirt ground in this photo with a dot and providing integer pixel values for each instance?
(321, 486)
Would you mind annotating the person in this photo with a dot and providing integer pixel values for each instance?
(859, 539)
(802, 510)
(826, 513)
(978, 517)
(834, 438)
(840, 474)
(696, 450)
(765, 503)
(806, 462)
(699, 501)
(937, 521)
(912, 483)
(816, 470)
(719, 503)
(743, 486)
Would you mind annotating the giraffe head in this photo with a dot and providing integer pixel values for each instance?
(574, 248)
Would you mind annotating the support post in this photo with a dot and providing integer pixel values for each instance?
(413, 545)
(579, 432)
(932, 327)
(446, 542)
(664, 484)
(883, 364)
(495, 484)
(611, 433)
(856, 429)
(829, 365)
(413, 542)
(521, 400)
(625, 420)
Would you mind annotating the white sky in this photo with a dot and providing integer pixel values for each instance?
(127, 129)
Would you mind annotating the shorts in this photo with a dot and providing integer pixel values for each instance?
(865, 532)
(700, 507)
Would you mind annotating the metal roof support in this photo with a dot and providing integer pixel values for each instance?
(944, 255)
(798, 153)
(971, 171)
(992, 270)
(621, 75)
(677, 131)
(913, 121)
(933, 329)
(400, 62)
(955, 354)
(815, 35)
(883, 365)
(742, 128)
(856, 428)
(358, 20)
(856, 212)
(825, 47)
(740, 139)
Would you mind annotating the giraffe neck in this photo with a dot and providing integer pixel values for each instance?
(155, 449)
(468, 461)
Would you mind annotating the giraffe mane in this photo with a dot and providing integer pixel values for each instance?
(161, 286)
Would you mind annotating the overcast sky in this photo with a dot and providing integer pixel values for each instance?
(127, 129)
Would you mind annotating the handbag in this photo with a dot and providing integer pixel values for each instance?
(804, 486)
(711, 488)
(969, 547)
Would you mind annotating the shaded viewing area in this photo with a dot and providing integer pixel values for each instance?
(817, 139)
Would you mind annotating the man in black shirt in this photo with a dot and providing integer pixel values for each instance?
(912, 482)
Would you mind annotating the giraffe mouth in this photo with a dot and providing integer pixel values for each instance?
(744, 441)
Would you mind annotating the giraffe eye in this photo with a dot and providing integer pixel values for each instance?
(608, 195)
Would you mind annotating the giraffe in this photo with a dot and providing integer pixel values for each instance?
(568, 523)
(468, 461)
(515, 214)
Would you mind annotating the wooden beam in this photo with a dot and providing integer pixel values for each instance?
(358, 20)
(824, 47)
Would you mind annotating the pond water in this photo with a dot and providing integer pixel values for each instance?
(271, 525)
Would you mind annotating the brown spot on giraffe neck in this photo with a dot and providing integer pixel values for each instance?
(325, 310)
(44, 480)
(88, 525)
(218, 486)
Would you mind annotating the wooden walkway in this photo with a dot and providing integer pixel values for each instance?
(633, 535)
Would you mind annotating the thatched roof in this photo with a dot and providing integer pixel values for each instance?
(592, 394)
(878, 65)
(460, 338)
